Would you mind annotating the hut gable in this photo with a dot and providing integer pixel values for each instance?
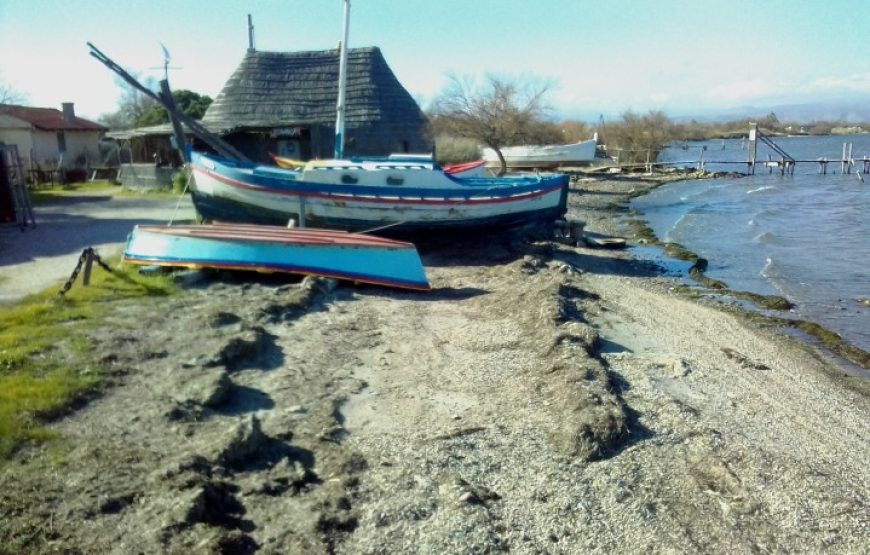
(291, 88)
(287, 89)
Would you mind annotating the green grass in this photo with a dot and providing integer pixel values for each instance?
(49, 193)
(46, 360)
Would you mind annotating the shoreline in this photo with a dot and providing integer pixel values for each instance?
(768, 307)
(543, 397)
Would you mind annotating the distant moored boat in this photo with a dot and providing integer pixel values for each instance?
(543, 156)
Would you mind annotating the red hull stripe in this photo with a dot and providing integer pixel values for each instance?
(275, 234)
(346, 197)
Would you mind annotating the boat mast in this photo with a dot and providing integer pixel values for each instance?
(342, 86)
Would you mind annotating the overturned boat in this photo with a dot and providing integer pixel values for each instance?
(319, 252)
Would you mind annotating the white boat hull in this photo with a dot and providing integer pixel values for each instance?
(544, 156)
(418, 198)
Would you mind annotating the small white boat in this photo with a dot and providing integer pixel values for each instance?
(544, 156)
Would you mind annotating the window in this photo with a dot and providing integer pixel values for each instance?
(61, 142)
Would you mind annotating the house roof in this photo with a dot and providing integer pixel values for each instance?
(271, 89)
(49, 119)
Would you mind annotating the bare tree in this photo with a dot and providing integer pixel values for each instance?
(639, 138)
(133, 104)
(498, 112)
(8, 95)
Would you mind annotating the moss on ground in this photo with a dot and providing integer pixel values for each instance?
(45, 361)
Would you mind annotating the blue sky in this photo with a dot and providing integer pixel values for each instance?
(603, 56)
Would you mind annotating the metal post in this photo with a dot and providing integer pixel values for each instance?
(342, 85)
(851, 160)
(250, 34)
(843, 160)
(753, 147)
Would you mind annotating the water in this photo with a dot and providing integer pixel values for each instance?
(806, 236)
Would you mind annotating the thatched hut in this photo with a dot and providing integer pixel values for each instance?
(285, 102)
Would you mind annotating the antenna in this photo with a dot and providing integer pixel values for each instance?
(166, 58)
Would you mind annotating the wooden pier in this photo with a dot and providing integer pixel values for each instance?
(785, 163)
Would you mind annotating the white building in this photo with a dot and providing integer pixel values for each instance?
(50, 139)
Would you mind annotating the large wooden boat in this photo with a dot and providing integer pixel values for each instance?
(364, 194)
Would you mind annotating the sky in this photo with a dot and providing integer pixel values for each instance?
(601, 56)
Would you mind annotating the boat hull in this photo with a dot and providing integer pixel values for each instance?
(544, 156)
(329, 253)
(403, 197)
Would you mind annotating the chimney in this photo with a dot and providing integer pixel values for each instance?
(69, 112)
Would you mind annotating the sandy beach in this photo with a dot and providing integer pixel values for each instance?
(544, 397)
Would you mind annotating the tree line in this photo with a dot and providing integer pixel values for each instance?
(497, 112)
(503, 111)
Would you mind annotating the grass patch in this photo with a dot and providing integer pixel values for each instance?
(47, 194)
(46, 363)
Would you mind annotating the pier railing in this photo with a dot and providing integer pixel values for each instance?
(785, 163)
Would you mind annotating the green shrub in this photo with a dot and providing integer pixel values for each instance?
(179, 181)
(453, 150)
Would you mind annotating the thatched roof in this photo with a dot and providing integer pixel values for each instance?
(271, 89)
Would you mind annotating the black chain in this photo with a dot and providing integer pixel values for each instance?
(75, 274)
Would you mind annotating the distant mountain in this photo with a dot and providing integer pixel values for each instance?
(850, 111)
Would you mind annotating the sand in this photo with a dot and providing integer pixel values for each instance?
(543, 398)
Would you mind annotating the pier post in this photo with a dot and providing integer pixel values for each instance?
(843, 160)
(823, 165)
(851, 160)
(753, 147)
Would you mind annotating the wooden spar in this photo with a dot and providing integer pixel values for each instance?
(222, 147)
(342, 86)
(180, 142)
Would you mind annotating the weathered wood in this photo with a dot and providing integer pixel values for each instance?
(180, 142)
(222, 147)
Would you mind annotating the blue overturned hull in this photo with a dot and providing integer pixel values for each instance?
(328, 253)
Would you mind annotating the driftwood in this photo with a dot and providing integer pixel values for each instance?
(222, 147)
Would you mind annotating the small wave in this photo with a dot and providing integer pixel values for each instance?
(759, 189)
(766, 213)
(770, 270)
(766, 238)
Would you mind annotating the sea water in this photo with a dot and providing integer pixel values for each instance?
(804, 236)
